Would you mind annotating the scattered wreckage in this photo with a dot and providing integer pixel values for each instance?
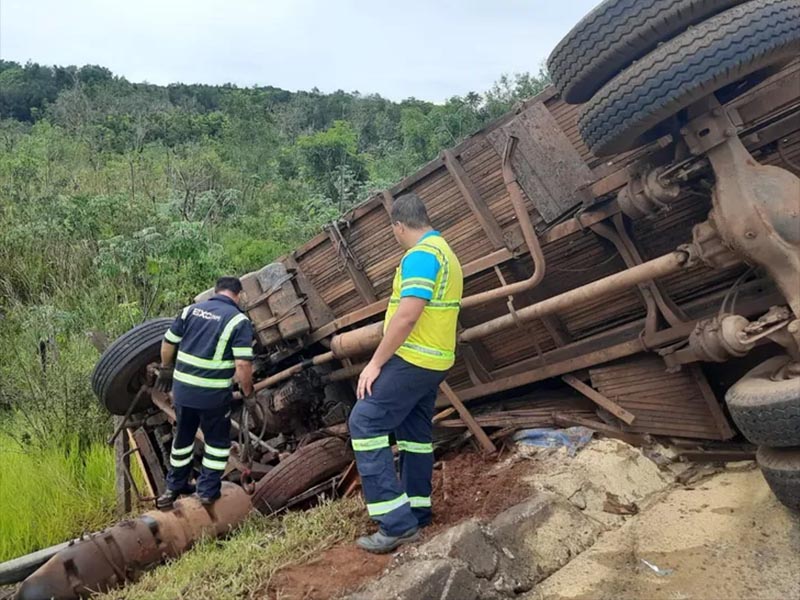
(631, 247)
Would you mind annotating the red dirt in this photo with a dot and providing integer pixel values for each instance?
(337, 571)
(465, 485)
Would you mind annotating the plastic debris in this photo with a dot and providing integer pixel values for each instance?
(572, 438)
(658, 571)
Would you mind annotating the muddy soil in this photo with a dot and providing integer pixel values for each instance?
(464, 485)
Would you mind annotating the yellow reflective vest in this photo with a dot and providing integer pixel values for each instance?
(432, 342)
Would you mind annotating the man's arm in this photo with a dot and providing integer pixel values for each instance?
(418, 276)
(242, 348)
(244, 375)
(168, 351)
(400, 327)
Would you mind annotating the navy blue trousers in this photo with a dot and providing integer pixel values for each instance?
(401, 403)
(215, 423)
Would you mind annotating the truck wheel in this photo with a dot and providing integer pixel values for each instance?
(120, 372)
(615, 34)
(637, 105)
(307, 467)
(781, 469)
(767, 411)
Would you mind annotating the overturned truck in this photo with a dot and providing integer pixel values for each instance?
(631, 248)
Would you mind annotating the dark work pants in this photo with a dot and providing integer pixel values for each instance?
(402, 403)
(215, 423)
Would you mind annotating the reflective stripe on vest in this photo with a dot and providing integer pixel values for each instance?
(226, 335)
(203, 382)
(204, 363)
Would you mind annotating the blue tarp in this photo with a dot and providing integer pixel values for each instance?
(572, 438)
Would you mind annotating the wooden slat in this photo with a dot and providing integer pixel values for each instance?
(473, 198)
(598, 398)
(468, 419)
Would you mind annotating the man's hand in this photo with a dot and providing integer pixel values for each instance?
(367, 378)
(164, 378)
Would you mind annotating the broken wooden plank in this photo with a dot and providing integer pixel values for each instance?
(598, 398)
(122, 487)
(150, 462)
(468, 419)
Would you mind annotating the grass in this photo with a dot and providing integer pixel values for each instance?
(241, 566)
(48, 496)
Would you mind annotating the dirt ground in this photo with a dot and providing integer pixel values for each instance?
(722, 536)
(464, 485)
(727, 537)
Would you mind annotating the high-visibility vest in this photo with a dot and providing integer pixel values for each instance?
(432, 342)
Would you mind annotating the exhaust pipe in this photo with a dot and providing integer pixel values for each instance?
(119, 554)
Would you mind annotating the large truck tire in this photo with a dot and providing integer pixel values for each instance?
(617, 33)
(767, 410)
(121, 370)
(637, 105)
(307, 467)
(781, 469)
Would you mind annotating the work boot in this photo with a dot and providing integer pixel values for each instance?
(167, 499)
(208, 500)
(381, 543)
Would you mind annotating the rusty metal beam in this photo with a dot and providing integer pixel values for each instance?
(469, 191)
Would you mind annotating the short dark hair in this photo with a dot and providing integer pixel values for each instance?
(409, 210)
(228, 283)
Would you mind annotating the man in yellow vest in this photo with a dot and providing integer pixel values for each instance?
(397, 389)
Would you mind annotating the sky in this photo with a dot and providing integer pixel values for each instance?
(430, 49)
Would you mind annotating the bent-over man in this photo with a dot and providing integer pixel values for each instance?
(213, 341)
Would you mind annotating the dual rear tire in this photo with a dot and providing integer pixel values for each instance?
(638, 64)
(765, 405)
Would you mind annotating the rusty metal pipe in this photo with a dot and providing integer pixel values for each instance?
(119, 554)
(320, 359)
(659, 267)
(528, 233)
(343, 374)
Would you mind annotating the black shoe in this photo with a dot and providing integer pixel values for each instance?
(167, 499)
(208, 500)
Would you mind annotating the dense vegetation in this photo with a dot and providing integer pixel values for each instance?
(120, 201)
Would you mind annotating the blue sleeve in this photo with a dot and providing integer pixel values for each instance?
(242, 341)
(418, 273)
(174, 334)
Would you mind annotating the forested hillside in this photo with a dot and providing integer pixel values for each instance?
(120, 201)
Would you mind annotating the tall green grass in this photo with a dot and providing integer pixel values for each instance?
(48, 495)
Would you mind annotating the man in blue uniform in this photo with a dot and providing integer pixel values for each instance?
(213, 341)
(397, 389)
